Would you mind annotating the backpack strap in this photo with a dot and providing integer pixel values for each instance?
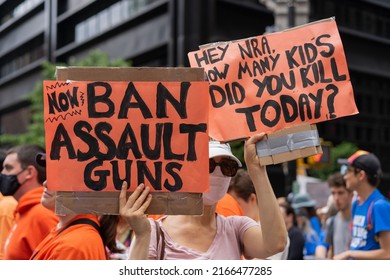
(79, 222)
(329, 235)
(160, 239)
(353, 210)
(369, 215)
(369, 218)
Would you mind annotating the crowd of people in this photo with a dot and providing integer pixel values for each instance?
(242, 218)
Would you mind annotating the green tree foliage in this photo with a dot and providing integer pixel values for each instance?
(35, 133)
(321, 171)
(238, 150)
(343, 150)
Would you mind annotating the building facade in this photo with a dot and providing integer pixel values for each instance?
(162, 32)
(364, 28)
(147, 32)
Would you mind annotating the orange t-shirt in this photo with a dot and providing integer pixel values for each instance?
(32, 223)
(7, 208)
(77, 242)
(228, 206)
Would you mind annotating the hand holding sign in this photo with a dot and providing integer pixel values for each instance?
(250, 154)
(133, 210)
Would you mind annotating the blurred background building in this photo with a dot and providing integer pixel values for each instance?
(162, 32)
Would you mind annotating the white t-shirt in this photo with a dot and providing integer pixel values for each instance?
(225, 246)
(282, 255)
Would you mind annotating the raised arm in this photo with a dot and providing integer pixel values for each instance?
(133, 211)
(271, 237)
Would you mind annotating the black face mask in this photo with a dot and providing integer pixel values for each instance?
(9, 184)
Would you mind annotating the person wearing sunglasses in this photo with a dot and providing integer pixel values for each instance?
(210, 235)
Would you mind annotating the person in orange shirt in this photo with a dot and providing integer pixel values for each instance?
(228, 206)
(77, 236)
(22, 178)
(7, 209)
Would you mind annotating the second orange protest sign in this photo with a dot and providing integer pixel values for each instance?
(274, 81)
(99, 134)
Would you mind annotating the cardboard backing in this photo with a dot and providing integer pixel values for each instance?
(281, 146)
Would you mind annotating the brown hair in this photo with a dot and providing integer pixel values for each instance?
(108, 226)
(289, 211)
(336, 180)
(242, 184)
(26, 156)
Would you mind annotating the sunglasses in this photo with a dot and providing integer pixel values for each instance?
(344, 169)
(228, 167)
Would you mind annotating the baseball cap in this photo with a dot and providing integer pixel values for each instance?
(219, 149)
(364, 160)
(40, 159)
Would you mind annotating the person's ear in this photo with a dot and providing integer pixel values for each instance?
(31, 172)
(253, 198)
(362, 174)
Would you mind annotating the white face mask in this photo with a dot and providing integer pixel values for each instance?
(219, 185)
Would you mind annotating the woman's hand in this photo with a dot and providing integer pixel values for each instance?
(250, 155)
(133, 210)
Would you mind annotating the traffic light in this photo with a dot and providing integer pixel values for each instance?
(321, 159)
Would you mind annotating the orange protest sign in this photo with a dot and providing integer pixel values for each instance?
(274, 81)
(99, 134)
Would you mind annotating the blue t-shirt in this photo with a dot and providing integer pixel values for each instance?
(363, 237)
(316, 225)
(322, 239)
(311, 242)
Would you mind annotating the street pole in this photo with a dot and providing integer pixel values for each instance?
(291, 13)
